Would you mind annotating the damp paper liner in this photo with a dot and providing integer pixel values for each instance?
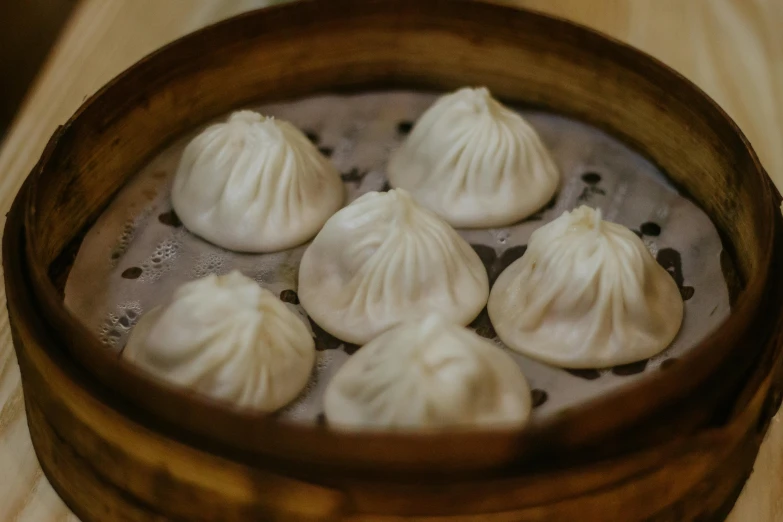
(137, 253)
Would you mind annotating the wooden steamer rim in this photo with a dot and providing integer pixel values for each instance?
(354, 45)
(109, 466)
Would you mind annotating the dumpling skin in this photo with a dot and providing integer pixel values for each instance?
(229, 339)
(474, 162)
(255, 184)
(586, 294)
(428, 373)
(384, 259)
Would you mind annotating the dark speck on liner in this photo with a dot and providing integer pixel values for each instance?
(312, 136)
(589, 374)
(326, 151)
(353, 176)
(630, 368)
(651, 229)
(591, 178)
(404, 127)
(538, 397)
(170, 218)
(289, 296)
(588, 193)
(132, 273)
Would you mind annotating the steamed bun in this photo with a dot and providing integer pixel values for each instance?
(586, 294)
(228, 338)
(428, 373)
(474, 162)
(255, 184)
(384, 259)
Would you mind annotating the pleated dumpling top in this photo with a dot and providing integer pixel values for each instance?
(255, 184)
(384, 259)
(475, 162)
(586, 294)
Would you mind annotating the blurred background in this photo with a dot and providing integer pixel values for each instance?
(27, 31)
(733, 49)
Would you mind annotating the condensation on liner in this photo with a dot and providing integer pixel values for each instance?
(137, 254)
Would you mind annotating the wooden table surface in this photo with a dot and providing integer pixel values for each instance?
(733, 49)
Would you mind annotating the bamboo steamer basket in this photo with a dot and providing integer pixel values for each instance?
(117, 445)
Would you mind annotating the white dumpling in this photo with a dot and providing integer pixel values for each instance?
(475, 162)
(228, 338)
(586, 294)
(255, 184)
(428, 373)
(384, 259)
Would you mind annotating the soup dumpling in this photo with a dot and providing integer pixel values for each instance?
(428, 373)
(474, 162)
(384, 259)
(586, 294)
(229, 339)
(255, 184)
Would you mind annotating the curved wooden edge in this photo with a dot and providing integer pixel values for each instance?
(459, 452)
(108, 467)
(95, 499)
(98, 450)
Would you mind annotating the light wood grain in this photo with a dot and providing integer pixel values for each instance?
(733, 49)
